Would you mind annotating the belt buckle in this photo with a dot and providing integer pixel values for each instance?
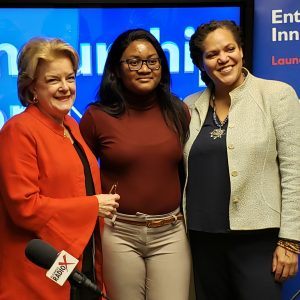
(151, 224)
(158, 223)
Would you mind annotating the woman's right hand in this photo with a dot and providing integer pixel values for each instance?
(108, 204)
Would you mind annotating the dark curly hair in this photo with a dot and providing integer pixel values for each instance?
(197, 40)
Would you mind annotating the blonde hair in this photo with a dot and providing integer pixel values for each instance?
(36, 50)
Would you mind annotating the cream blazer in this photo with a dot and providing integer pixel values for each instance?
(263, 149)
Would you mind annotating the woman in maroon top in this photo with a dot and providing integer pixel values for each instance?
(137, 128)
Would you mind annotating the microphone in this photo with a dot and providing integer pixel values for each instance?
(44, 255)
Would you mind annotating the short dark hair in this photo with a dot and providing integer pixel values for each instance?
(197, 39)
(111, 96)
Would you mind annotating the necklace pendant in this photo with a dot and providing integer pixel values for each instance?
(217, 133)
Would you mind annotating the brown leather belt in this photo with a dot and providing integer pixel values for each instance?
(153, 223)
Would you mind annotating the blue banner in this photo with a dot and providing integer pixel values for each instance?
(91, 31)
(276, 52)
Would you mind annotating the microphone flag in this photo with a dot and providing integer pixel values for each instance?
(62, 267)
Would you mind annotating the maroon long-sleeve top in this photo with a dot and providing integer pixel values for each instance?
(140, 152)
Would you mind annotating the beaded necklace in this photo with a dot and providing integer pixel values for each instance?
(218, 132)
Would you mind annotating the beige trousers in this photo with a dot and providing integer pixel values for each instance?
(146, 263)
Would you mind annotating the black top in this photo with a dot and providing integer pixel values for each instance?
(87, 260)
(208, 188)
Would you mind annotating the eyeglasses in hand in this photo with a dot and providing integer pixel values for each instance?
(113, 188)
(135, 64)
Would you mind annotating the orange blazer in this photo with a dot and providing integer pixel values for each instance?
(43, 195)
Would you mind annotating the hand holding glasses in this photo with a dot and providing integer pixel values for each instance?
(113, 188)
(108, 203)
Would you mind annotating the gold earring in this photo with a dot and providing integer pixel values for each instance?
(35, 100)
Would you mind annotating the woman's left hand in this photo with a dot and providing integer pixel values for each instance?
(285, 264)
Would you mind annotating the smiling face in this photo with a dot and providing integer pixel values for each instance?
(55, 87)
(143, 81)
(223, 59)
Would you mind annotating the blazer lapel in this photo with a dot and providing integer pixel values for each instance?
(198, 114)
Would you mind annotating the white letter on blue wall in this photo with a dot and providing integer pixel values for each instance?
(12, 53)
(188, 64)
(101, 50)
(86, 60)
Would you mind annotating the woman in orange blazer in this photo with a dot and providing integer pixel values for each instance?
(49, 179)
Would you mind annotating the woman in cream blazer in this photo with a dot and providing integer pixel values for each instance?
(242, 160)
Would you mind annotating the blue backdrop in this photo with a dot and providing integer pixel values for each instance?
(277, 41)
(91, 31)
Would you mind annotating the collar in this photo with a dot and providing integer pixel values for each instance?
(48, 122)
(202, 102)
(241, 88)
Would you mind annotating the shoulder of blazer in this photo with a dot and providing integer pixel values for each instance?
(272, 90)
(191, 99)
